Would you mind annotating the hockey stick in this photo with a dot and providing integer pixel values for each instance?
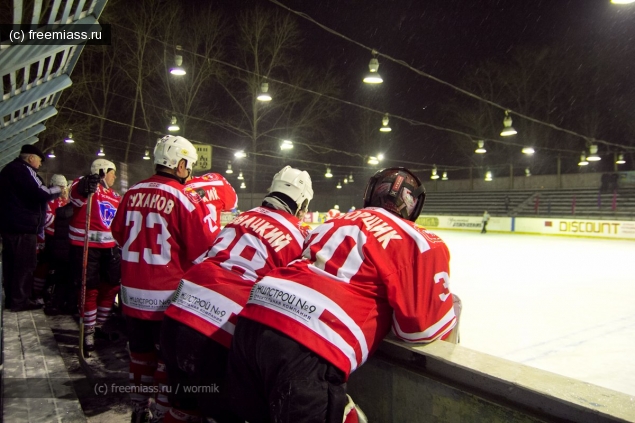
(82, 295)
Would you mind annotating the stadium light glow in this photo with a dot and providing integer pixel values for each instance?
(593, 154)
(384, 124)
(508, 129)
(620, 158)
(173, 127)
(264, 92)
(373, 76)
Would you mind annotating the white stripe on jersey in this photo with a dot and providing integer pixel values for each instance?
(167, 188)
(200, 184)
(284, 222)
(77, 201)
(100, 237)
(426, 335)
(145, 299)
(321, 302)
(207, 304)
(416, 236)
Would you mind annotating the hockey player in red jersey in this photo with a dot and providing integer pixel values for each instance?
(199, 323)
(307, 326)
(103, 271)
(162, 231)
(51, 206)
(45, 266)
(217, 196)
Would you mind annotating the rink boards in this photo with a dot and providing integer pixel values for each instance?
(614, 229)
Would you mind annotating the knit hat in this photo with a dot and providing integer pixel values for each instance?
(31, 149)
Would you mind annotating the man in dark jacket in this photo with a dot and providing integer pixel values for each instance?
(23, 197)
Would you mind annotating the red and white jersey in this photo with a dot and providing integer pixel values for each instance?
(217, 196)
(161, 232)
(104, 205)
(212, 293)
(332, 214)
(51, 206)
(361, 273)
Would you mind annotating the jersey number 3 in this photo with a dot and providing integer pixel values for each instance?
(135, 218)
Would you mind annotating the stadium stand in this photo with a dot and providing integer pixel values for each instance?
(582, 203)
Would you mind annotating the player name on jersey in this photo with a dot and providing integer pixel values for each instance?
(375, 225)
(151, 201)
(268, 231)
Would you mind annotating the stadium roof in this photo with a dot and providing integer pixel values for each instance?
(34, 75)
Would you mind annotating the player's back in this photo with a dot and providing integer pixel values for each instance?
(357, 270)
(213, 292)
(257, 241)
(161, 232)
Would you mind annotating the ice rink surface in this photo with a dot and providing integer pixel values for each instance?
(561, 304)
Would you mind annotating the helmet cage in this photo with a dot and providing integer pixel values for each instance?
(392, 200)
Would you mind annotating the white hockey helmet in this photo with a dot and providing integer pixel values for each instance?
(294, 183)
(103, 165)
(171, 149)
(58, 181)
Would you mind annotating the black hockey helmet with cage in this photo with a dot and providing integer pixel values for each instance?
(397, 190)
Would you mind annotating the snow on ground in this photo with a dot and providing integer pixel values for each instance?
(560, 304)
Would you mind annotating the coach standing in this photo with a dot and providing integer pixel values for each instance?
(23, 197)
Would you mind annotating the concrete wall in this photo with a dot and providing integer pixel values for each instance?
(443, 382)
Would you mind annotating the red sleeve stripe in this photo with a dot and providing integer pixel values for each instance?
(433, 332)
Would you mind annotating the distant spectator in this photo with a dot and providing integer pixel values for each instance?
(485, 220)
(507, 204)
(24, 198)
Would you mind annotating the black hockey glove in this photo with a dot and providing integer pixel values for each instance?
(88, 185)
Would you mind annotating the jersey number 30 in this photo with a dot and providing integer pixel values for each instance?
(135, 218)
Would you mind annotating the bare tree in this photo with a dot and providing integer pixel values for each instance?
(140, 55)
(201, 47)
(267, 43)
(546, 84)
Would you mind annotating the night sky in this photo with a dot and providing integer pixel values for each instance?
(448, 39)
